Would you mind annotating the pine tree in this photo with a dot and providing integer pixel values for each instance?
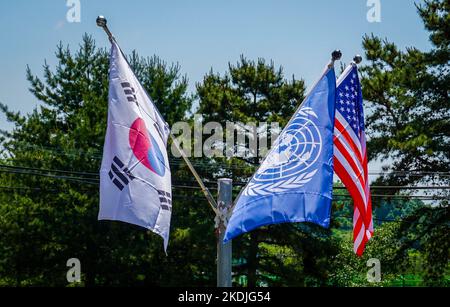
(409, 124)
(254, 92)
(408, 99)
(49, 179)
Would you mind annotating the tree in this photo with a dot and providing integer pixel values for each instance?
(254, 92)
(409, 123)
(49, 179)
(407, 91)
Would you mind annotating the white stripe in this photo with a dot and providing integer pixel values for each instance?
(367, 190)
(344, 75)
(371, 224)
(348, 149)
(359, 238)
(350, 171)
(356, 215)
(350, 131)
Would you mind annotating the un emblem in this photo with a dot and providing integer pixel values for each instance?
(292, 161)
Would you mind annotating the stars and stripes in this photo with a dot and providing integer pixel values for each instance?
(350, 154)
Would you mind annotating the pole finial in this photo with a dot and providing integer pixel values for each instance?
(101, 21)
(336, 55)
(357, 59)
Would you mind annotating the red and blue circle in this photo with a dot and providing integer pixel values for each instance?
(145, 148)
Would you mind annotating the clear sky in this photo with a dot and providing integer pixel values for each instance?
(198, 34)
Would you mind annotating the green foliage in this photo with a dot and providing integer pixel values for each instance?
(47, 220)
(408, 96)
(280, 255)
(250, 92)
(49, 201)
(409, 123)
(427, 231)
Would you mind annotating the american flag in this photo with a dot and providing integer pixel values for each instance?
(350, 154)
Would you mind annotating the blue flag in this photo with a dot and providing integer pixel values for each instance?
(295, 181)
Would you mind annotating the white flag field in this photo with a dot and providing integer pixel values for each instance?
(135, 180)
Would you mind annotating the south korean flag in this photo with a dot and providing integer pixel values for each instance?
(135, 181)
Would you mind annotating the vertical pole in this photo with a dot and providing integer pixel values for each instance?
(224, 204)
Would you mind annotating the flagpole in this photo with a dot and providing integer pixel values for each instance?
(205, 190)
(102, 22)
(354, 63)
(336, 55)
(357, 59)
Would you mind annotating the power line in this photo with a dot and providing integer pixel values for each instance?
(400, 220)
(69, 178)
(180, 197)
(175, 186)
(48, 170)
(46, 173)
(418, 197)
(206, 165)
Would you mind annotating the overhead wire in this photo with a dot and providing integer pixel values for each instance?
(93, 179)
(190, 198)
(209, 165)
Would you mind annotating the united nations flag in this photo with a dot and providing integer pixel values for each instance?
(295, 181)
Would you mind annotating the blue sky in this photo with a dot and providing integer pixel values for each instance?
(198, 34)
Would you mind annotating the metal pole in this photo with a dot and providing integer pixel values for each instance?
(103, 23)
(205, 190)
(223, 250)
(357, 59)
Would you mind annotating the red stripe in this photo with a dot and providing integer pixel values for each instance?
(368, 215)
(350, 161)
(357, 227)
(362, 246)
(348, 182)
(347, 179)
(356, 231)
(340, 127)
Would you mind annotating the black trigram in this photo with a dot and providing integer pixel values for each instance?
(119, 174)
(129, 91)
(166, 201)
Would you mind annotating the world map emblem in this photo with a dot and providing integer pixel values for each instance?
(292, 162)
